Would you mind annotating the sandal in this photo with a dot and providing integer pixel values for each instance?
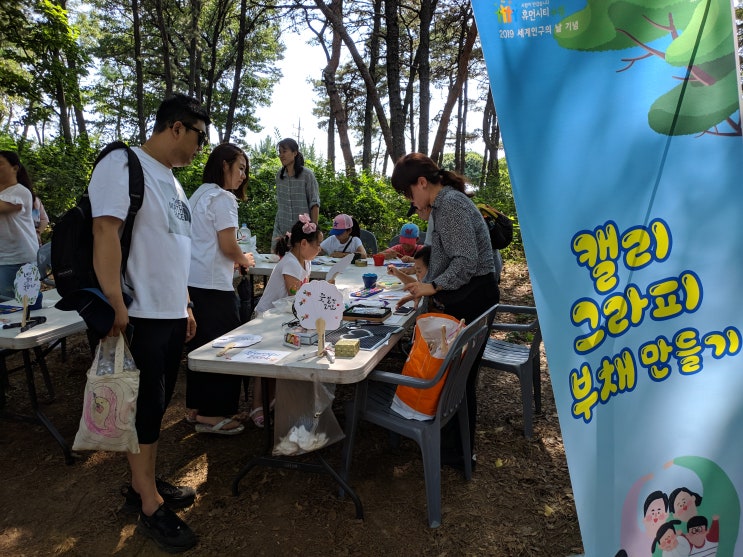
(256, 414)
(219, 427)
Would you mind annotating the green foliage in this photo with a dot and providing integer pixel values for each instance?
(700, 34)
(60, 172)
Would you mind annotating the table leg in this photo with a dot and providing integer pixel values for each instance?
(267, 459)
(353, 411)
(40, 416)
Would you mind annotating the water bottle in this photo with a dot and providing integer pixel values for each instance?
(243, 237)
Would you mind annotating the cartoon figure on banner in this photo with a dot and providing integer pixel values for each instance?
(676, 524)
(319, 305)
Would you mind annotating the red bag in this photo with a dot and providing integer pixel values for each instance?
(423, 362)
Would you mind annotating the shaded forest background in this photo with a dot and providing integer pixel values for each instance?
(75, 75)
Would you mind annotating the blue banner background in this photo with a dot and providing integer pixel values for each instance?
(582, 156)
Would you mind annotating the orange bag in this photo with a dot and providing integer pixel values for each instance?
(420, 404)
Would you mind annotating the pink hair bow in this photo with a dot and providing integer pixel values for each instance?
(309, 226)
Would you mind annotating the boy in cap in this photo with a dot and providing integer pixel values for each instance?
(408, 244)
(343, 238)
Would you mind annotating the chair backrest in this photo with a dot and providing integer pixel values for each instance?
(369, 240)
(532, 326)
(459, 361)
(44, 263)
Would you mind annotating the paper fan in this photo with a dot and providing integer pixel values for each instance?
(27, 283)
(318, 299)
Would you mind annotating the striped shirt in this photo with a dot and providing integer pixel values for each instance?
(460, 246)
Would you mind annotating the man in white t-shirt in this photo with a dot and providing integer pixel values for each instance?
(159, 320)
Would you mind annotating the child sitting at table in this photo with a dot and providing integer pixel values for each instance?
(421, 261)
(297, 250)
(408, 244)
(343, 238)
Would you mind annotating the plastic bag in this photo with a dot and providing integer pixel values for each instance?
(110, 403)
(305, 420)
(434, 332)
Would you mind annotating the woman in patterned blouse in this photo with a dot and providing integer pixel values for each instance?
(460, 281)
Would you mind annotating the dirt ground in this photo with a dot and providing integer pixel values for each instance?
(519, 502)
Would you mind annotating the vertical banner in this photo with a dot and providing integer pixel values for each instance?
(621, 123)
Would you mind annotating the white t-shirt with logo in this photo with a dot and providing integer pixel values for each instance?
(331, 244)
(213, 209)
(17, 232)
(160, 252)
(276, 287)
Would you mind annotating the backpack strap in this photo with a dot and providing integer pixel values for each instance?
(136, 194)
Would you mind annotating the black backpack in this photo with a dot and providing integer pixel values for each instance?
(500, 226)
(72, 236)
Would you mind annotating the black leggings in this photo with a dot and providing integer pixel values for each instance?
(157, 347)
(481, 294)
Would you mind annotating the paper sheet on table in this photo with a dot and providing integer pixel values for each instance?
(241, 341)
(339, 267)
(324, 260)
(260, 356)
(393, 296)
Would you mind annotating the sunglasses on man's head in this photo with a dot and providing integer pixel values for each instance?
(203, 138)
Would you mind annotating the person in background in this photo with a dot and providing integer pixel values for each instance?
(461, 279)
(41, 219)
(408, 244)
(160, 318)
(297, 250)
(212, 398)
(297, 191)
(343, 238)
(17, 232)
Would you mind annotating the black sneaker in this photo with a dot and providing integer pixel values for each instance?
(176, 497)
(167, 530)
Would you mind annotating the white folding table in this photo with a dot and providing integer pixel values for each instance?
(58, 325)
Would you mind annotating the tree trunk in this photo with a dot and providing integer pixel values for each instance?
(331, 87)
(371, 86)
(165, 42)
(139, 72)
(397, 114)
(491, 138)
(238, 71)
(424, 74)
(366, 152)
(462, 64)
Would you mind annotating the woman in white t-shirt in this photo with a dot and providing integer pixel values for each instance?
(297, 249)
(17, 233)
(213, 398)
(343, 238)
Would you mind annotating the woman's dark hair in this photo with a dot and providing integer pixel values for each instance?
(289, 143)
(414, 165)
(675, 493)
(355, 229)
(214, 169)
(21, 175)
(425, 254)
(652, 497)
(179, 108)
(294, 237)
